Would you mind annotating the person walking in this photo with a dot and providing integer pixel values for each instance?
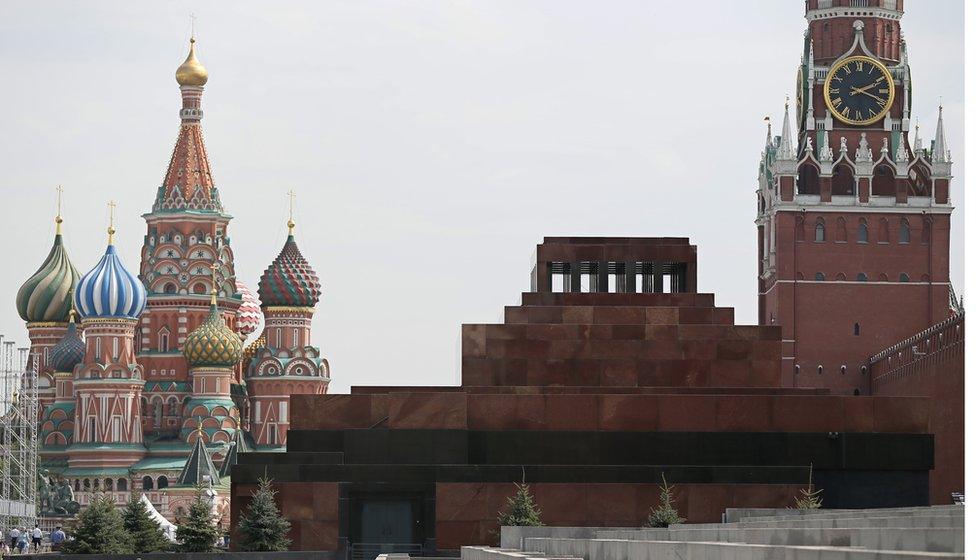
(36, 536)
(22, 540)
(57, 537)
(14, 536)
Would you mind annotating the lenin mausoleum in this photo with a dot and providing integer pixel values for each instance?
(614, 369)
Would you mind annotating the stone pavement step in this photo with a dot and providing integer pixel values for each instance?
(917, 539)
(600, 549)
(738, 515)
(904, 521)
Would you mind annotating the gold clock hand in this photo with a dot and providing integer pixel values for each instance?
(858, 90)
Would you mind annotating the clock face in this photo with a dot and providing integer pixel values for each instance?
(859, 90)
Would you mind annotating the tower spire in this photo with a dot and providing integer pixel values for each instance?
(940, 148)
(785, 150)
(917, 145)
(769, 131)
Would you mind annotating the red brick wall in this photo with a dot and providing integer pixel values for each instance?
(938, 373)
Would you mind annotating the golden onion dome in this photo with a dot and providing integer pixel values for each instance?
(191, 72)
(213, 343)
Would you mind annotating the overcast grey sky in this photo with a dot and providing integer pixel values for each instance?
(431, 144)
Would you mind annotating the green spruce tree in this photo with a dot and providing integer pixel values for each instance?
(261, 527)
(147, 535)
(198, 532)
(99, 530)
(522, 509)
(665, 514)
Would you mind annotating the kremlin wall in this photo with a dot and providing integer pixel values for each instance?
(612, 372)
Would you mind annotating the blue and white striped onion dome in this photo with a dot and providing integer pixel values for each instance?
(109, 290)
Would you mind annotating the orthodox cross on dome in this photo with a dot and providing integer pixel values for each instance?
(291, 211)
(111, 221)
(193, 27)
(58, 219)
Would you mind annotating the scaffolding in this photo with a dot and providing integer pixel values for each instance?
(18, 436)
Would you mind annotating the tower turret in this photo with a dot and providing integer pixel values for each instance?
(287, 364)
(212, 351)
(108, 383)
(44, 300)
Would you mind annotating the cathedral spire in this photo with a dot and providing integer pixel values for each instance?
(917, 145)
(188, 185)
(940, 148)
(785, 150)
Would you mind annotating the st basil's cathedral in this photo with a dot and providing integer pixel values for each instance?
(144, 380)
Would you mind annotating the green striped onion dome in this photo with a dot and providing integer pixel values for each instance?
(289, 280)
(213, 344)
(45, 296)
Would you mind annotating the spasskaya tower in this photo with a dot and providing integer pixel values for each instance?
(853, 215)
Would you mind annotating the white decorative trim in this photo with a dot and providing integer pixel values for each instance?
(845, 11)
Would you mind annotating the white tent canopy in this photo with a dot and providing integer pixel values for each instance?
(168, 528)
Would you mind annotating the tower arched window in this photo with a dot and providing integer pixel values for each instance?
(123, 485)
(820, 231)
(883, 182)
(294, 337)
(809, 182)
(164, 340)
(819, 277)
(843, 182)
(904, 232)
(903, 277)
(162, 482)
(840, 235)
(857, 329)
(861, 277)
(169, 288)
(862, 231)
(278, 338)
(147, 483)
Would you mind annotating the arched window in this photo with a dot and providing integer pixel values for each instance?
(162, 482)
(862, 231)
(903, 277)
(918, 182)
(820, 231)
(164, 340)
(857, 329)
(861, 277)
(841, 277)
(840, 234)
(123, 485)
(147, 483)
(169, 288)
(819, 277)
(843, 182)
(199, 288)
(904, 232)
(883, 182)
(108, 484)
(77, 485)
(809, 180)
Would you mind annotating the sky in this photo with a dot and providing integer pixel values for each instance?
(432, 145)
